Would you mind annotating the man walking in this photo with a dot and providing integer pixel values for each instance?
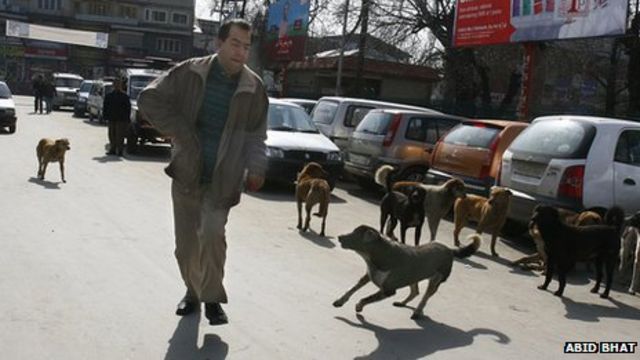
(116, 110)
(48, 93)
(215, 110)
(38, 84)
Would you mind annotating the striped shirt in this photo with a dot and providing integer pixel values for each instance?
(212, 118)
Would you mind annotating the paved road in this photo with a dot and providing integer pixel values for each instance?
(88, 273)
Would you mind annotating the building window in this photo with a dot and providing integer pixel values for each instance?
(128, 12)
(179, 18)
(98, 8)
(169, 45)
(49, 4)
(158, 16)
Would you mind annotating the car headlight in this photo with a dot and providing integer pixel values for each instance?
(275, 152)
(334, 156)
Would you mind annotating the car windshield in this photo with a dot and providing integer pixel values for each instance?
(472, 136)
(289, 118)
(558, 139)
(324, 112)
(5, 93)
(85, 87)
(68, 82)
(137, 84)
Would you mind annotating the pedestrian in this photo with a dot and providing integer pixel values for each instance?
(48, 93)
(214, 144)
(37, 84)
(116, 111)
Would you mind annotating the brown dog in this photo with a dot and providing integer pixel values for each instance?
(490, 214)
(312, 189)
(538, 260)
(49, 150)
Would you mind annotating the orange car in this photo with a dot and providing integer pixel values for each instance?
(472, 151)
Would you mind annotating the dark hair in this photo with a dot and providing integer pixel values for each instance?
(243, 24)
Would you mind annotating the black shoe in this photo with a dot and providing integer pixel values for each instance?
(111, 152)
(215, 314)
(120, 153)
(186, 306)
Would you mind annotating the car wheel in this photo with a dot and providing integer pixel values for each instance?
(12, 129)
(366, 183)
(414, 173)
(512, 229)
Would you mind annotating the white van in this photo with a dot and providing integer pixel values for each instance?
(67, 87)
(337, 117)
(573, 162)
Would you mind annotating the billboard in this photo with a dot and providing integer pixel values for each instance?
(485, 22)
(287, 29)
(62, 35)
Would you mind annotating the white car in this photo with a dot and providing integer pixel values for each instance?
(293, 140)
(574, 162)
(7, 109)
(67, 87)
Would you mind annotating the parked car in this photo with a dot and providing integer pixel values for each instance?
(472, 151)
(8, 117)
(337, 117)
(67, 86)
(402, 138)
(306, 104)
(80, 106)
(293, 140)
(96, 99)
(574, 162)
(141, 131)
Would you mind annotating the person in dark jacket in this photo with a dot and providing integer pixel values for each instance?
(48, 93)
(37, 84)
(116, 111)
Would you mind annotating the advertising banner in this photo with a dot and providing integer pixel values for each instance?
(56, 34)
(485, 22)
(287, 30)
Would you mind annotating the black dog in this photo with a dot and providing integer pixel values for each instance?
(565, 244)
(408, 209)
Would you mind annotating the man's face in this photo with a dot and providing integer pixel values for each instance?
(233, 52)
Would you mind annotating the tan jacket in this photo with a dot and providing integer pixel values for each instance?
(172, 104)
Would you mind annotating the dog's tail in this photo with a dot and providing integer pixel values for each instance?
(384, 176)
(615, 217)
(470, 249)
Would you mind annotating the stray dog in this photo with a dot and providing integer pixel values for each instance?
(49, 150)
(391, 265)
(408, 209)
(438, 198)
(490, 214)
(312, 188)
(630, 251)
(565, 244)
(538, 260)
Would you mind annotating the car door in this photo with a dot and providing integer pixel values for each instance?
(626, 171)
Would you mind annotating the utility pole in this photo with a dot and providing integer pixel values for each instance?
(362, 47)
(342, 45)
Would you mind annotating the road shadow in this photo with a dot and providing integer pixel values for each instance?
(323, 241)
(148, 153)
(593, 312)
(471, 263)
(107, 159)
(370, 195)
(94, 123)
(184, 342)
(45, 183)
(430, 338)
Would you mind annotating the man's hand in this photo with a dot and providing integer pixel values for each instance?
(254, 182)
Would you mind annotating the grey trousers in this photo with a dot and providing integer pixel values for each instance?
(200, 243)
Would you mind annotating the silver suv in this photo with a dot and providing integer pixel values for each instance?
(403, 138)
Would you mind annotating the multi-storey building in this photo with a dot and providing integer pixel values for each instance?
(142, 33)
